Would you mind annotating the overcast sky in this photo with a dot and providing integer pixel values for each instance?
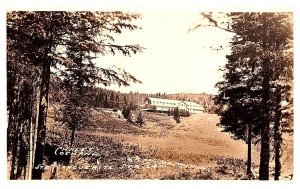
(175, 60)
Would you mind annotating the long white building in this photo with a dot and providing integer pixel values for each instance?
(166, 104)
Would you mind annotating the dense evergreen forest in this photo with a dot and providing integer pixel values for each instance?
(105, 98)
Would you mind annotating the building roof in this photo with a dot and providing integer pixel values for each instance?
(175, 103)
(164, 100)
(193, 105)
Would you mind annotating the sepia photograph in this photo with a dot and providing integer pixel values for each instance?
(156, 94)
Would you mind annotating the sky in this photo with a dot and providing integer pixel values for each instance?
(174, 60)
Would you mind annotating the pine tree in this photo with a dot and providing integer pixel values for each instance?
(256, 68)
(130, 116)
(140, 119)
(54, 40)
(176, 115)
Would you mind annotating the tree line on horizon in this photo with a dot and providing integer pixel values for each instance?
(106, 98)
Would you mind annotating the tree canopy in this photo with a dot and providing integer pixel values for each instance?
(42, 46)
(256, 90)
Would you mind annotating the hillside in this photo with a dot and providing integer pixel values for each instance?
(161, 149)
(101, 97)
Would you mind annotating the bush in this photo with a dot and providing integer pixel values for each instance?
(140, 120)
(176, 115)
(182, 113)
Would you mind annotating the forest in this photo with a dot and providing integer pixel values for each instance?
(51, 62)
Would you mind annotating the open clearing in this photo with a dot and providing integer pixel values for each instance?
(196, 134)
(162, 149)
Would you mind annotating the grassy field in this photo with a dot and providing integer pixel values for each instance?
(162, 149)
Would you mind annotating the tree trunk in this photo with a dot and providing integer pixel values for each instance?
(15, 132)
(43, 106)
(30, 150)
(35, 129)
(22, 156)
(265, 119)
(72, 136)
(14, 154)
(249, 151)
(277, 137)
(265, 152)
(265, 125)
(23, 137)
(42, 117)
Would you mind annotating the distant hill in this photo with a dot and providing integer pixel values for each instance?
(101, 97)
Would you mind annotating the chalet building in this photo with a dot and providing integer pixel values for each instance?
(193, 107)
(164, 105)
